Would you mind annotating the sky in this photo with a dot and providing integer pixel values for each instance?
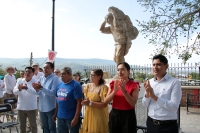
(26, 26)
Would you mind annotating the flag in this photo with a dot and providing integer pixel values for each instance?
(51, 56)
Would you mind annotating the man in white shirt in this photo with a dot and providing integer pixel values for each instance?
(162, 98)
(27, 102)
(10, 82)
(37, 73)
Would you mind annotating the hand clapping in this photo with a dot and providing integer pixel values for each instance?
(149, 90)
(37, 86)
(120, 84)
(21, 86)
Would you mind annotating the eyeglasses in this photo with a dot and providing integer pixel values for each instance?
(92, 75)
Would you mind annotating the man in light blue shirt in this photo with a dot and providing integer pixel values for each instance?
(47, 103)
(162, 98)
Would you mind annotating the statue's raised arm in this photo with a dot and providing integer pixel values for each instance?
(122, 30)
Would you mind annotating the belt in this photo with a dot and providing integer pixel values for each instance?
(160, 122)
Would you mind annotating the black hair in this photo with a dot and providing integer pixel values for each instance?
(99, 72)
(125, 64)
(30, 68)
(77, 73)
(51, 64)
(40, 69)
(127, 67)
(161, 57)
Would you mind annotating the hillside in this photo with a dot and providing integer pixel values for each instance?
(75, 64)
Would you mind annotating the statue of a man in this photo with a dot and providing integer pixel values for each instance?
(122, 30)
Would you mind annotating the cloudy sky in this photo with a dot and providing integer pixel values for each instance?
(26, 26)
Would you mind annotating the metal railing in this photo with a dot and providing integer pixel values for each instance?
(141, 115)
(188, 74)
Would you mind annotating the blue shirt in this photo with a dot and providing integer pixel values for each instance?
(67, 93)
(47, 101)
(169, 93)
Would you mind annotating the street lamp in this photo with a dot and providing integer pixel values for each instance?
(53, 13)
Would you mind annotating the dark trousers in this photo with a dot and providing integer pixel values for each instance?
(49, 125)
(171, 127)
(64, 126)
(122, 121)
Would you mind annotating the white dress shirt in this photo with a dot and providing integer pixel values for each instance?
(26, 100)
(1, 88)
(10, 82)
(38, 75)
(169, 93)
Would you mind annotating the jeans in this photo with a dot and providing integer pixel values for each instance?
(49, 125)
(64, 126)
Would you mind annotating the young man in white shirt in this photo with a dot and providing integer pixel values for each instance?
(27, 102)
(162, 98)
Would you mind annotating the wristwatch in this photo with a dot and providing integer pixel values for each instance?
(90, 104)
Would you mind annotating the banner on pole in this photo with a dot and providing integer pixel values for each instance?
(51, 56)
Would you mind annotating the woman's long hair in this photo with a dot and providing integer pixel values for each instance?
(99, 72)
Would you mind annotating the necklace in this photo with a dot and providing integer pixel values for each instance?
(94, 89)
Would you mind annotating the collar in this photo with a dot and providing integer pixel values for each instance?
(49, 75)
(68, 82)
(27, 81)
(166, 77)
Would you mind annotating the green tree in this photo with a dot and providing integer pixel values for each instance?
(171, 21)
(195, 75)
(17, 75)
(2, 72)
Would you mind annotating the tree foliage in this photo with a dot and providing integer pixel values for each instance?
(172, 22)
(2, 72)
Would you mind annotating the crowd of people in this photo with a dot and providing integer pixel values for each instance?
(57, 97)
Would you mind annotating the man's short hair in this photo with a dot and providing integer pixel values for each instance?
(161, 57)
(67, 70)
(50, 64)
(33, 70)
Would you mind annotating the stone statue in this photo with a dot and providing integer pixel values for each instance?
(122, 30)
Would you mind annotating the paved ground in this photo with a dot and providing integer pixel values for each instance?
(190, 123)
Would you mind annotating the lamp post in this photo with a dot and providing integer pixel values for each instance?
(53, 13)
